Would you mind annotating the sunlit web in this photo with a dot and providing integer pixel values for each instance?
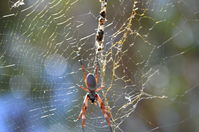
(41, 42)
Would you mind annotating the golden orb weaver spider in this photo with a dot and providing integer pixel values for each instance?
(91, 82)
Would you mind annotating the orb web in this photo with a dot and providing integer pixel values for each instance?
(42, 41)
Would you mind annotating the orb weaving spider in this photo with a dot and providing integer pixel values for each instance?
(91, 82)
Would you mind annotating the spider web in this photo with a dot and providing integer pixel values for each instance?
(145, 43)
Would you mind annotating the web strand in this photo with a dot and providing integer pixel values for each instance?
(144, 50)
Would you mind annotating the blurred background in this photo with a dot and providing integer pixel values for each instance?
(150, 65)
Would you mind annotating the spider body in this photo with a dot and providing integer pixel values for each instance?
(91, 82)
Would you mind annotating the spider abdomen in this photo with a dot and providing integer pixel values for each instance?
(91, 82)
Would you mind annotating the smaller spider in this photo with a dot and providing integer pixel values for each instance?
(91, 82)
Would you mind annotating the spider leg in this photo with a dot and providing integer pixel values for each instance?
(86, 89)
(106, 114)
(96, 73)
(84, 73)
(83, 110)
(98, 89)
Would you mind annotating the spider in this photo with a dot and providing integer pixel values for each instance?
(91, 82)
